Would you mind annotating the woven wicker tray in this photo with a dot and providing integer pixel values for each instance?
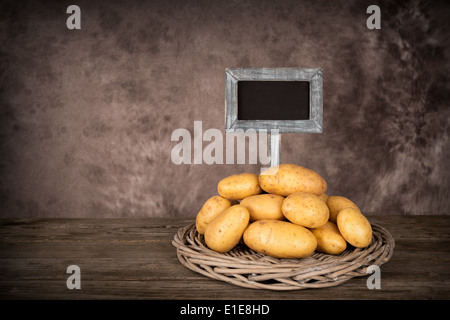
(247, 268)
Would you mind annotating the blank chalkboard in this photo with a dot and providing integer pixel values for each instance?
(285, 99)
(273, 100)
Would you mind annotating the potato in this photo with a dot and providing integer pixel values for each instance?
(225, 231)
(324, 197)
(305, 209)
(329, 239)
(211, 208)
(286, 179)
(336, 204)
(239, 186)
(264, 206)
(354, 227)
(280, 239)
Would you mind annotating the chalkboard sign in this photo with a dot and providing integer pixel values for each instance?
(286, 99)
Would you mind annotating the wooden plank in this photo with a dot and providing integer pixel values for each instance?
(134, 259)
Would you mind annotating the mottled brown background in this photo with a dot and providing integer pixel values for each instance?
(87, 115)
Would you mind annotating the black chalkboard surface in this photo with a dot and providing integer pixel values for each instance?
(273, 100)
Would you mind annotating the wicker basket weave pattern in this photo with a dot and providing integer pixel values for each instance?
(247, 268)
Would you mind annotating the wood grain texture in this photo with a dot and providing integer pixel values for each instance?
(134, 259)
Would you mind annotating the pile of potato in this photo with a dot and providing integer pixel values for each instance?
(284, 212)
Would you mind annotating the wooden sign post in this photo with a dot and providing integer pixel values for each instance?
(278, 100)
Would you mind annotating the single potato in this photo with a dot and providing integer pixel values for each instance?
(280, 239)
(239, 186)
(211, 208)
(286, 179)
(224, 232)
(264, 206)
(329, 239)
(305, 209)
(336, 204)
(354, 227)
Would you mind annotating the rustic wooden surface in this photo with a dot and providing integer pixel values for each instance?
(134, 259)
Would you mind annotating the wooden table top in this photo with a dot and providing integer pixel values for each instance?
(134, 258)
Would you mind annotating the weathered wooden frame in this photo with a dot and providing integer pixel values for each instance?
(312, 75)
